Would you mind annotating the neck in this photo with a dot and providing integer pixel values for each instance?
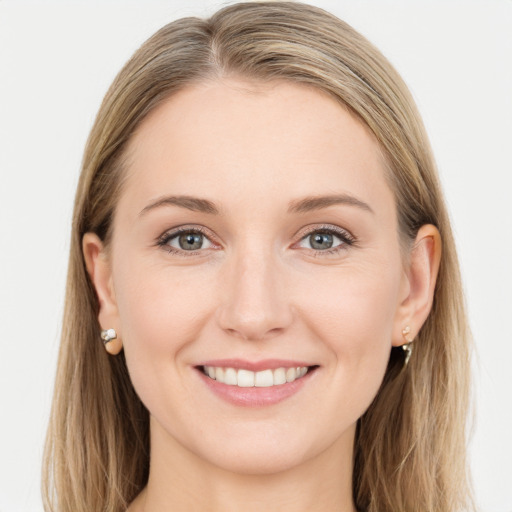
(180, 480)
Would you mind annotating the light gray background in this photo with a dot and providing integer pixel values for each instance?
(56, 62)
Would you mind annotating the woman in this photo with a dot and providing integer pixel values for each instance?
(264, 302)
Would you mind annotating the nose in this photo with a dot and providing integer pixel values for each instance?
(254, 302)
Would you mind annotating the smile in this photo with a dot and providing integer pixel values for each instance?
(245, 383)
(262, 379)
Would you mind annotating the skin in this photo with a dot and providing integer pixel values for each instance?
(256, 289)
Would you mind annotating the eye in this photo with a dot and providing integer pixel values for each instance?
(185, 240)
(327, 240)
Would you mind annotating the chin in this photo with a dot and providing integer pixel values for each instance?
(271, 450)
(258, 460)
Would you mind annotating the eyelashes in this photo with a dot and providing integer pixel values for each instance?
(187, 241)
(321, 234)
(186, 237)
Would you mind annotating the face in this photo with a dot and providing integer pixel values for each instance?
(256, 232)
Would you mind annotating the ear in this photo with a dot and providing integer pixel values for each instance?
(420, 280)
(99, 270)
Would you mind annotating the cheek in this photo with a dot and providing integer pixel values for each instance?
(354, 307)
(161, 311)
(353, 314)
(158, 303)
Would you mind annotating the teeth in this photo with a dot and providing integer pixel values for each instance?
(291, 374)
(264, 379)
(219, 374)
(230, 377)
(245, 379)
(280, 376)
(248, 379)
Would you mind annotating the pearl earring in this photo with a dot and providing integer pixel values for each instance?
(407, 347)
(112, 344)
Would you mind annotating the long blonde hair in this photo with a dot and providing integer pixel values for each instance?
(410, 446)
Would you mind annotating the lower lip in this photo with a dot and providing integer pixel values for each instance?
(255, 396)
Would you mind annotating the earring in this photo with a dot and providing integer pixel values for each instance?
(108, 335)
(112, 344)
(407, 347)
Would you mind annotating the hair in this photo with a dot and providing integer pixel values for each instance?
(410, 445)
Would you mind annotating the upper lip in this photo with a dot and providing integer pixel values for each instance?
(255, 366)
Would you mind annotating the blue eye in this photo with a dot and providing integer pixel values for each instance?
(185, 240)
(191, 241)
(323, 240)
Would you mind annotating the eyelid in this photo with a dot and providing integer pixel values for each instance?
(163, 240)
(343, 233)
(346, 238)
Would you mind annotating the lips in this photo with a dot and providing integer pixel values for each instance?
(247, 383)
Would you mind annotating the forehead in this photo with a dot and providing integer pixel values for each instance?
(248, 144)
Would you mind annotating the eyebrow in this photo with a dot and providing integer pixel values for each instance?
(318, 202)
(190, 203)
(307, 204)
